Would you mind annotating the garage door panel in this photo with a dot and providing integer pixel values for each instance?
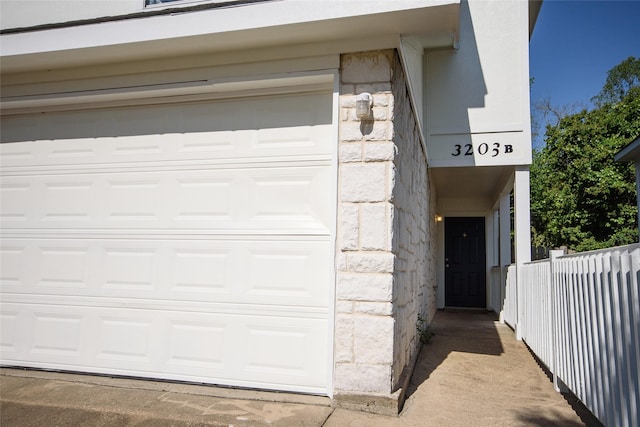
(263, 198)
(289, 195)
(196, 345)
(219, 147)
(14, 268)
(267, 128)
(9, 332)
(16, 197)
(234, 349)
(62, 267)
(276, 272)
(68, 200)
(200, 271)
(56, 334)
(277, 349)
(73, 336)
(126, 339)
(129, 272)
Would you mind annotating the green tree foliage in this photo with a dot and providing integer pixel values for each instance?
(620, 80)
(580, 197)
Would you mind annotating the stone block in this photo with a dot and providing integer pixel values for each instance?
(365, 67)
(391, 102)
(374, 88)
(370, 262)
(382, 99)
(349, 115)
(347, 89)
(351, 131)
(366, 182)
(344, 114)
(373, 340)
(350, 152)
(390, 130)
(364, 287)
(374, 227)
(363, 378)
(344, 307)
(379, 151)
(379, 131)
(344, 333)
(379, 113)
(348, 101)
(348, 228)
(373, 308)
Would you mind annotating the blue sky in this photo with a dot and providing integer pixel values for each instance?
(575, 43)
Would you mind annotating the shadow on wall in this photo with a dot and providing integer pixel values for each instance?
(455, 84)
(269, 112)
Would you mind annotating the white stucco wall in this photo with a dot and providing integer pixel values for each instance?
(479, 93)
(27, 13)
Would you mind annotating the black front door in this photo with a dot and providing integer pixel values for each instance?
(465, 262)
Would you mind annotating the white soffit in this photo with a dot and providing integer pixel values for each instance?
(470, 182)
(253, 26)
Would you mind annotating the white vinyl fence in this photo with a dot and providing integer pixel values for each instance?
(580, 315)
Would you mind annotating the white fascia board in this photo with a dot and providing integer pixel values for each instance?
(630, 152)
(252, 26)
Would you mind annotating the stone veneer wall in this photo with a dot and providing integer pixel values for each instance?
(414, 242)
(386, 234)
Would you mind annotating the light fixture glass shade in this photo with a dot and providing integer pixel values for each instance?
(363, 105)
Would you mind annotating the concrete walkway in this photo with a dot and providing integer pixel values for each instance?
(472, 373)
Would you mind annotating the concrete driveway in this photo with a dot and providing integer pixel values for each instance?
(472, 373)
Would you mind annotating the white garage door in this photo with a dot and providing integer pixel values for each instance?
(180, 241)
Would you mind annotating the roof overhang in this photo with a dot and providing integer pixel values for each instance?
(472, 182)
(534, 11)
(630, 153)
(253, 26)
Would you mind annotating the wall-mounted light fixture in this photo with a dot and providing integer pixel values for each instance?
(439, 218)
(363, 106)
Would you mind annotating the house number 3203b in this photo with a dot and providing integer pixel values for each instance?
(483, 149)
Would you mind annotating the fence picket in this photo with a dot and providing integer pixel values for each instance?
(626, 330)
(603, 344)
(634, 304)
(617, 336)
(591, 323)
(583, 326)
